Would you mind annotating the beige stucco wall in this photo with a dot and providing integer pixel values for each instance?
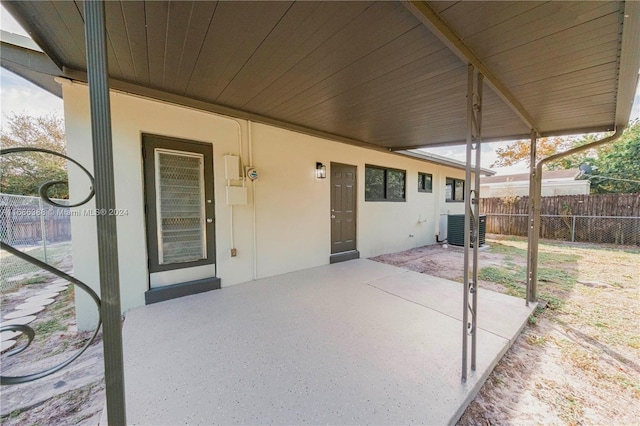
(292, 206)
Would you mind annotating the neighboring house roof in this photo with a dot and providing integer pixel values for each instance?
(23, 57)
(569, 174)
(554, 182)
(383, 75)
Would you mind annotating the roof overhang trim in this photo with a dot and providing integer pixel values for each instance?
(629, 62)
(162, 96)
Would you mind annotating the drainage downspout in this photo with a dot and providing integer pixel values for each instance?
(534, 215)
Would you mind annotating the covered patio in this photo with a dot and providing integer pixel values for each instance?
(358, 342)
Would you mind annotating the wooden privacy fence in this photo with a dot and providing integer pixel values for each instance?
(599, 218)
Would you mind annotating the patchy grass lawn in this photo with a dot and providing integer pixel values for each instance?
(581, 360)
(578, 360)
(73, 396)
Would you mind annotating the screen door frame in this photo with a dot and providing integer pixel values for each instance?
(150, 145)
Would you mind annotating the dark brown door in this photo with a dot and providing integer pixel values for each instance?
(179, 209)
(343, 208)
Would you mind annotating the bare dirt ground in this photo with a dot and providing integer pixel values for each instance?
(578, 360)
(74, 395)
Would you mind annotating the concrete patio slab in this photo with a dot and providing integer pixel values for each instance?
(349, 343)
(503, 321)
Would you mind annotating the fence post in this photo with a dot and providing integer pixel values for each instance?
(573, 229)
(43, 229)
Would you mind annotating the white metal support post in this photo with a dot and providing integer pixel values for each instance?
(535, 201)
(533, 230)
(471, 218)
(475, 201)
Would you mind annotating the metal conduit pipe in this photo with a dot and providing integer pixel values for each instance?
(253, 200)
(535, 196)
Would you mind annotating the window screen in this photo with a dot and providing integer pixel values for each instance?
(382, 184)
(454, 190)
(180, 207)
(425, 182)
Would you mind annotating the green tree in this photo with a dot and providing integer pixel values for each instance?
(23, 173)
(616, 168)
(518, 152)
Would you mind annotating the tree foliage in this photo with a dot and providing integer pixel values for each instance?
(616, 169)
(23, 173)
(518, 151)
(615, 166)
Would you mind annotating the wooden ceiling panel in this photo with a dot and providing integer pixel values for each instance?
(236, 31)
(377, 68)
(70, 14)
(404, 92)
(156, 22)
(585, 39)
(471, 18)
(544, 21)
(119, 41)
(198, 27)
(367, 32)
(366, 71)
(49, 31)
(179, 18)
(133, 14)
(312, 23)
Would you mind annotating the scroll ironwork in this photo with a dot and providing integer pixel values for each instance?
(27, 330)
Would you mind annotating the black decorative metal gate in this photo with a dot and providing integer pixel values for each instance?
(28, 331)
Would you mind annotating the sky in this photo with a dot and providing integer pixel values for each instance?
(18, 95)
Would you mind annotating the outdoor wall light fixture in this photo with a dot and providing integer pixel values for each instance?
(321, 170)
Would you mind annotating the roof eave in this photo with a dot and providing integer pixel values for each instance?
(13, 8)
(23, 57)
(629, 62)
(437, 159)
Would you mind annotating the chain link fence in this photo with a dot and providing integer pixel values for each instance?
(621, 230)
(39, 229)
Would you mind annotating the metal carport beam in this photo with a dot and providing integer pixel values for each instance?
(23, 57)
(432, 20)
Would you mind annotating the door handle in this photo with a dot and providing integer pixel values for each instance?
(333, 216)
(209, 220)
